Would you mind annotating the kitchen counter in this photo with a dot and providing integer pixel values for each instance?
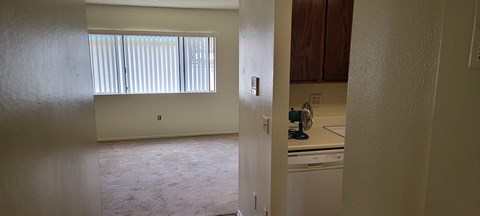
(320, 138)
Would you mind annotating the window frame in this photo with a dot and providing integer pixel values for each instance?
(178, 34)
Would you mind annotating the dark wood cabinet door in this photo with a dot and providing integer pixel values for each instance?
(308, 40)
(338, 35)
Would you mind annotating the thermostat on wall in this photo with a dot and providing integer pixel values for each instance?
(255, 85)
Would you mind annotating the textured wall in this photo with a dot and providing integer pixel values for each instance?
(394, 55)
(265, 53)
(135, 116)
(454, 168)
(48, 158)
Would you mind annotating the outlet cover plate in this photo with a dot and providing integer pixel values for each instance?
(315, 99)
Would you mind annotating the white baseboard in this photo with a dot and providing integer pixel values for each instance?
(162, 136)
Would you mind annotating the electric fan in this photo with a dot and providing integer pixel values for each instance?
(304, 117)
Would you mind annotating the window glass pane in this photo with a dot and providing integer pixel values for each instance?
(212, 62)
(198, 64)
(136, 64)
(152, 64)
(106, 63)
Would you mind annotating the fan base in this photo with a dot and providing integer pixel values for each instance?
(300, 135)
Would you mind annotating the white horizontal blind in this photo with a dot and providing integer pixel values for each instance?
(133, 64)
(107, 64)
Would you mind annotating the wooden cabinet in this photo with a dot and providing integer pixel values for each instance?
(308, 38)
(320, 46)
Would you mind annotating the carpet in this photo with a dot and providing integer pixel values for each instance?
(192, 176)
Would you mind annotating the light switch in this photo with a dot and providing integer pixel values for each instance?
(265, 124)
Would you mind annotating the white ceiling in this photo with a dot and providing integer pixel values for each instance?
(202, 4)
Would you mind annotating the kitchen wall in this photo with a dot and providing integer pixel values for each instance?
(333, 99)
(135, 116)
(48, 156)
(391, 98)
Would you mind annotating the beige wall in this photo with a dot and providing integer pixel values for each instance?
(391, 97)
(265, 53)
(412, 143)
(454, 168)
(333, 99)
(48, 158)
(135, 116)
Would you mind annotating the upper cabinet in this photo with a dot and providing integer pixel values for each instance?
(320, 47)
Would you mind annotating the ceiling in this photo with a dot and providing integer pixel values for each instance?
(201, 4)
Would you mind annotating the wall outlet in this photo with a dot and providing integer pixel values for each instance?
(315, 99)
(159, 117)
(254, 201)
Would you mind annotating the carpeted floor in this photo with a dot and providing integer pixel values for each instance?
(193, 176)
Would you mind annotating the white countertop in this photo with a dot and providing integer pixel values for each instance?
(320, 138)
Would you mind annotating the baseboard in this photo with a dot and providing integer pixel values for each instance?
(163, 136)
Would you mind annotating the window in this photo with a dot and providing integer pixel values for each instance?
(138, 64)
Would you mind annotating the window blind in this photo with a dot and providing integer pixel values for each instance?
(106, 62)
(136, 64)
